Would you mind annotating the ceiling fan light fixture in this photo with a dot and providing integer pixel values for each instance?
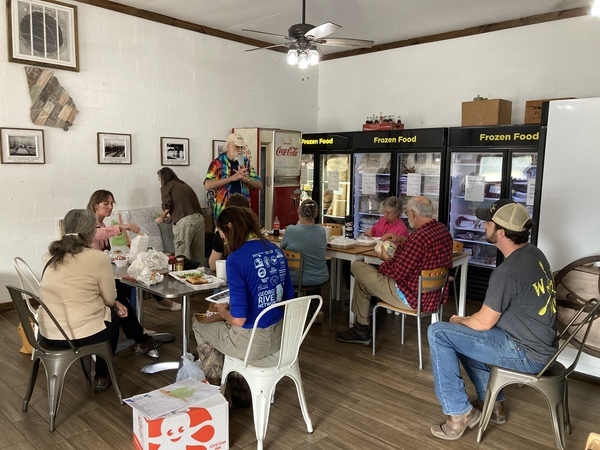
(292, 57)
(313, 57)
(302, 60)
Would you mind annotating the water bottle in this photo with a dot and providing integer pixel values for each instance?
(276, 226)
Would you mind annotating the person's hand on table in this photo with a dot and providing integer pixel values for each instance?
(393, 238)
(120, 309)
(369, 232)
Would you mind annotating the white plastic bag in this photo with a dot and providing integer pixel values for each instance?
(189, 369)
(145, 262)
(138, 244)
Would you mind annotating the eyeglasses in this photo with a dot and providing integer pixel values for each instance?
(407, 211)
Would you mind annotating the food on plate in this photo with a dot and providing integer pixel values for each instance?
(186, 276)
(197, 280)
(120, 257)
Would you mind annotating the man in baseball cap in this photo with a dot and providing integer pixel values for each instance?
(513, 329)
(231, 173)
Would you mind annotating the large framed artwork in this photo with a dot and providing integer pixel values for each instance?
(114, 148)
(22, 146)
(43, 33)
(175, 151)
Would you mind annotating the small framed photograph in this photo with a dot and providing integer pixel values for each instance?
(43, 33)
(218, 148)
(175, 151)
(114, 148)
(22, 146)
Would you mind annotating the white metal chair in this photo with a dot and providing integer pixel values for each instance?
(551, 381)
(429, 280)
(263, 375)
(28, 281)
(457, 247)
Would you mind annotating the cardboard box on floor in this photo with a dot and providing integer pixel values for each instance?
(487, 112)
(204, 425)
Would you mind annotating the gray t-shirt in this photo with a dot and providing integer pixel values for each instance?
(522, 290)
(309, 240)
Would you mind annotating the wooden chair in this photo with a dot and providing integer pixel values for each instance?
(296, 264)
(457, 247)
(551, 381)
(429, 280)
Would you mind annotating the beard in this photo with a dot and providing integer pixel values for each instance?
(492, 239)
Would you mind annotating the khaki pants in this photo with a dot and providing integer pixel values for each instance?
(369, 282)
(188, 234)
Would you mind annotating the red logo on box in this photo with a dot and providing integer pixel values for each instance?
(173, 433)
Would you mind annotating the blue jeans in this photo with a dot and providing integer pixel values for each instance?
(452, 343)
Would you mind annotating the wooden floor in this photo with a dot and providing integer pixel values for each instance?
(356, 400)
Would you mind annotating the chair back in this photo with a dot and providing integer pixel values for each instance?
(295, 264)
(337, 229)
(294, 327)
(581, 323)
(457, 247)
(27, 279)
(432, 280)
(28, 317)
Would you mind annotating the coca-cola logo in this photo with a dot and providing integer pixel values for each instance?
(291, 151)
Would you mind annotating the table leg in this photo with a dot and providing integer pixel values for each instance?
(339, 275)
(185, 332)
(352, 318)
(462, 297)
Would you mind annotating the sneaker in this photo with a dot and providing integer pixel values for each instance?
(498, 416)
(102, 383)
(455, 426)
(141, 348)
(357, 334)
(173, 306)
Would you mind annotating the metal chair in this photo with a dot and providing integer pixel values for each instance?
(551, 381)
(429, 281)
(457, 247)
(296, 264)
(28, 280)
(263, 375)
(57, 361)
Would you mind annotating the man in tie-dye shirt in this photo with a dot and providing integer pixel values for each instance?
(231, 173)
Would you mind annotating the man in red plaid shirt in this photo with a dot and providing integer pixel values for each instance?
(396, 280)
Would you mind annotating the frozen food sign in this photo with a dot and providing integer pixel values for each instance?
(287, 155)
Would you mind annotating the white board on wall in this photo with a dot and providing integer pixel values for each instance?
(569, 216)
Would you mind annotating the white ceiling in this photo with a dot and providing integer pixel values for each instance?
(382, 21)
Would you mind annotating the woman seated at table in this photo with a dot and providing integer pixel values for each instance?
(390, 223)
(101, 204)
(78, 287)
(218, 247)
(249, 293)
(309, 239)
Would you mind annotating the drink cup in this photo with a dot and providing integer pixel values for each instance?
(221, 271)
(327, 233)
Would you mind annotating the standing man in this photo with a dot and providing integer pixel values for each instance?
(513, 329)
(396, 280)
(231, 173)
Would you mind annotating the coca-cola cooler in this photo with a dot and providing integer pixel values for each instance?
(276, 156)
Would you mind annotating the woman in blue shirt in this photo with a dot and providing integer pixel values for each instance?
(258, 277)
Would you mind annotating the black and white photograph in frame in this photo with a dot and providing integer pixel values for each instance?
(175, 151)
(22, 146)
(43, 33)
(114, 148)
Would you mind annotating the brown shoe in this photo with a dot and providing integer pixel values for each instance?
(498, 415)
(101, 383)
(145, 347)
(455, 426)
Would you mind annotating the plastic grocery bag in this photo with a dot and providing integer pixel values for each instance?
(138, 244)
(189, 369)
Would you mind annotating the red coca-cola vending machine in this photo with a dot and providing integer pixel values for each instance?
(276, 156)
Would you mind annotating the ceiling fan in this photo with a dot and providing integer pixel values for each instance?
(304, 40)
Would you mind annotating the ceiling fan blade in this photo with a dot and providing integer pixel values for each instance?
(344, 42)
(266, 32)
(268, 46)
(322, 30)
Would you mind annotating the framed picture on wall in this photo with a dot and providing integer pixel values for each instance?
(218, 148)
(22, 146)
(43, 33)
(114, 148)
(175, 151)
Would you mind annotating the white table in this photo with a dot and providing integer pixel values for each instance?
(458, 259)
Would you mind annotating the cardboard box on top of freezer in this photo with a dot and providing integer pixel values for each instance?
(487, 112)
(534, 108)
